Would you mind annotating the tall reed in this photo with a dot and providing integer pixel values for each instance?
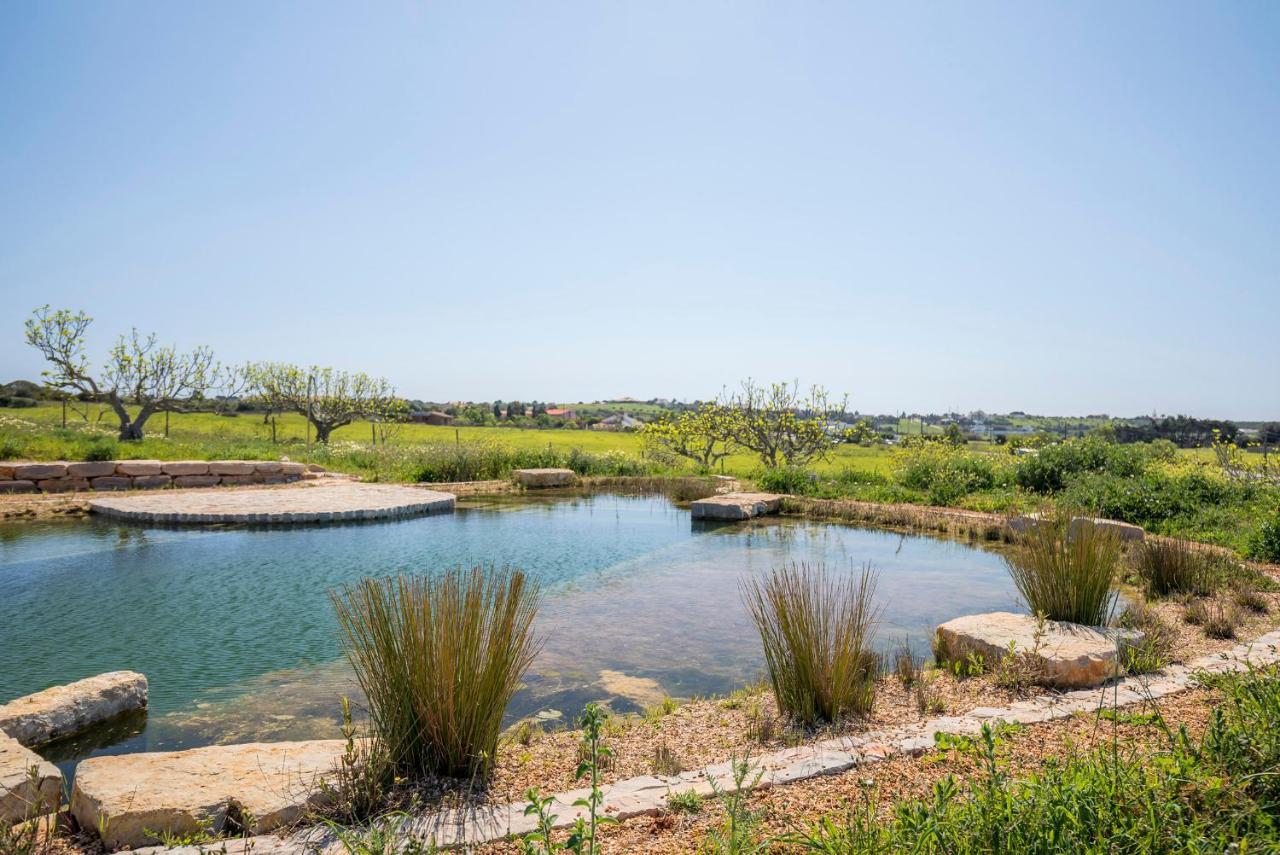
(439, 658)
(1172, 566)
(817, 628)
(1066, 568)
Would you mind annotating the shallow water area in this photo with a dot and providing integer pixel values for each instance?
(234, 628)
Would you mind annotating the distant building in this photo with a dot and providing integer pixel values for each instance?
(562, 413)
(431, 417)
(618, 422)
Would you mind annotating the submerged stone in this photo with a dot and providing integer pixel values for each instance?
(67, 710)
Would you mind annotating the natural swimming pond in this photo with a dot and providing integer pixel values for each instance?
(234, 628)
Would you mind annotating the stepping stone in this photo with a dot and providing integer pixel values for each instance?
(1073, 656)
(22, 795)
(66, 710)
(261, 785)
(545, 477)
(736, 506)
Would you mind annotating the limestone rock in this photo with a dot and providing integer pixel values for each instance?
(149, 482)
(17, 486)
(112, 482)
(196, 480)
(231, 467)
(736, 506)
(268, 467)
(294, 470)
(1124, 531)
(39, 471)
(139, 467)
(544, 477)
(66, 710)
(264, 785)
(185, 467)
(91, 469)
(21, 797)
(1073, 656)
(6, 471)
(63, 485)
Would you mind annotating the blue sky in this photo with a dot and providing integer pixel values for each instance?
(1057, 208)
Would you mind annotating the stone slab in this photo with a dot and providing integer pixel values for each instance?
(196, 480)
(22, 795)
(151, 482)
(66, 710)
(112, 482)
(39, 471)
(1125, 531)
(63, 485)
(139, 467)
(544, 477)
(185, 467)
(17, 486)
(232, 467)
(1073, 656)
(91, 469)
(337, 502)
(268, 785)
(736, 506)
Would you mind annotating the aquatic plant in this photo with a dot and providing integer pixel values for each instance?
(439, 657)
(1065, 568)
(817, 630)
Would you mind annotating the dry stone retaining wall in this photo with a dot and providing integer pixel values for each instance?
(62, 476)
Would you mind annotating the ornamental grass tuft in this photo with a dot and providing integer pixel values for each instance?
(817, 629)
(439, 658)
(1066, 569)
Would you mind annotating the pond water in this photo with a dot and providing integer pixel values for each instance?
(234, 629)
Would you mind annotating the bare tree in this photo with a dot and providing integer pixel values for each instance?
(328, 398)
(138, 372)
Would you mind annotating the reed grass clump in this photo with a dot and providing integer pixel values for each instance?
(1066, 568)
(817, 629)
(1172, 566)
(439, 657)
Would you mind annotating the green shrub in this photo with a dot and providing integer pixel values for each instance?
(946, 473)
(1172, 567)
(101, 449)
(1264, 545)
(1050, 468)
(439, 658)
(1066, 569)
(793, 480)
(817, 630)
(19, 401)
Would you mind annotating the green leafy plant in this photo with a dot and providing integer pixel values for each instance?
(684, 801)
(817, 630)
(582, 838)
(738, 833)
(439, 658)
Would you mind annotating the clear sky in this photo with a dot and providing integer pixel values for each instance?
(1068, 208)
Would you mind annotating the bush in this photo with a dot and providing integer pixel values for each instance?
(1264, 545)
(793, 480)
(1172, 567)
(1050, 468)
(100, 449)
(439, 658)
(817, 632)
(1066, 569)
(18, 401)
(947, 473)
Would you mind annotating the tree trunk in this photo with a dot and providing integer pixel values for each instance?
(322, 432)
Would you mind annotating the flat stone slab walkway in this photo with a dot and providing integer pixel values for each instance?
(334, 502)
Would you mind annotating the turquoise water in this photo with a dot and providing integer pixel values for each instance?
(234, 629)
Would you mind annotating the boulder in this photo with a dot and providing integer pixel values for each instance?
(112, 482)
(17, 486)
(231, 467)
(185, 467)
(268, 467)
(196, 480)
(261, 785)
(544, 477)
(67, 710)
(148, 482)
(1125, 531)
(139, 467)
(63, 485)
(736, 506)
(91, 469)
(1072, 656)
(232, 480)
(24, 795)
(39, 471)
(295, 470)
(6, 471)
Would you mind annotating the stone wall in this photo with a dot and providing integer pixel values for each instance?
(61, 476)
